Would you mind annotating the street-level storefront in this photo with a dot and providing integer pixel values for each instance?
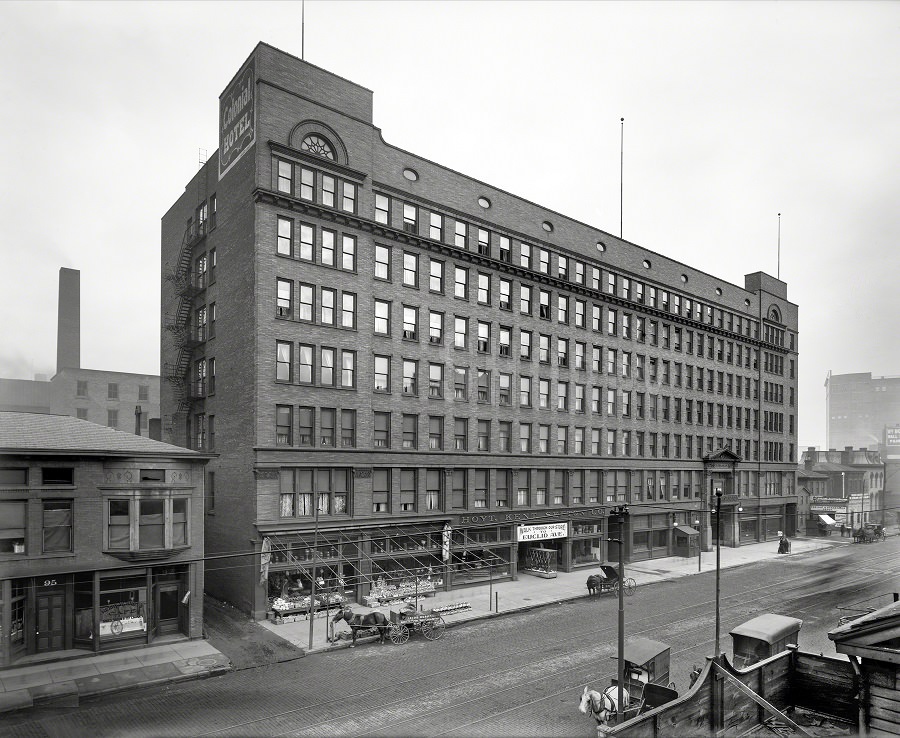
(95, 611)
(373, 564)
(827, 514)
(744, 522)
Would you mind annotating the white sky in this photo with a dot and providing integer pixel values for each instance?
(734, 112)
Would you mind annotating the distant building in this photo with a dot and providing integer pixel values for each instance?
(120, 400)
(853, 492)
(858, 407)
(812, 491)
(101, 538)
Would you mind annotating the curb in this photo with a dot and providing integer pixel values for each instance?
(527, 608)
(40, 696)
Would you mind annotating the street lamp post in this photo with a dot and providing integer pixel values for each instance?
(718, 561)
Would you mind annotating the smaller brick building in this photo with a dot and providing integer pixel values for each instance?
(101, 538)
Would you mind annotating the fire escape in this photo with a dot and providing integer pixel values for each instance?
(186, 335)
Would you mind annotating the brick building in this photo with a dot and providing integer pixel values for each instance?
(854, 487)
(101, 538)
(408, 370)
(122, 400)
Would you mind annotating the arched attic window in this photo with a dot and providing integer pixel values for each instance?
(774, 314)
(317, 145)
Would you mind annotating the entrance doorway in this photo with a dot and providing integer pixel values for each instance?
(168, 608)
(50, 607)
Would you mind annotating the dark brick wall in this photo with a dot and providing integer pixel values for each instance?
(290, 93)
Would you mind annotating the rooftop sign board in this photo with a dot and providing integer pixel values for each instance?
(237, 117)
(892, 436)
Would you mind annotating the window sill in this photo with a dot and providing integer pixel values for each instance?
(147, 554)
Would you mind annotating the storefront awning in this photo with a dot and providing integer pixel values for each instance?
(687, 530)
(828, 520)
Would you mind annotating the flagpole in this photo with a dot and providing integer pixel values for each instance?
(621, 170)
(302, 29)
(778, 273)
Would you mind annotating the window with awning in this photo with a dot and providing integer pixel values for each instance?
(827, 519)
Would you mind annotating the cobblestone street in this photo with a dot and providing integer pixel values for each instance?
(518, 675)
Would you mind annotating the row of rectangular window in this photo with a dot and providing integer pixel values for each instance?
(538, 259)
(297, 301)
(632, 365)
(304, 246)
(460, 386)
(582, 440)
(112, 390)
(130, 524)
(632, 327)
(314, 185)
(306, 492)
(322, 371)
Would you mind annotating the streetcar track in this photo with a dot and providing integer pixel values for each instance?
(569, 689)
(764, 592)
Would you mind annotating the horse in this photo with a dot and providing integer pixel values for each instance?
(602, 705)
(357, 622)
(595, 583)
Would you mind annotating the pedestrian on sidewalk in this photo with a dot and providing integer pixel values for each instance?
(843, 529)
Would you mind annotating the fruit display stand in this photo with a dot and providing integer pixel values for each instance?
(290, 609)
(404, 591)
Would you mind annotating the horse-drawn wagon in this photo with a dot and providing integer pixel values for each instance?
(869, 533)
(403, 622)
(646, 684)
(607, 580)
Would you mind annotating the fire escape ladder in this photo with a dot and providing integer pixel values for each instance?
(179, 323)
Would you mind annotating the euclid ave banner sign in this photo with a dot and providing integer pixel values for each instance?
(541, 532)
(237, 118)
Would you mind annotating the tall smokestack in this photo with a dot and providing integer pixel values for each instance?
(68, 325)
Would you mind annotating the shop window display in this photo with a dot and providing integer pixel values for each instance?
(123, 607)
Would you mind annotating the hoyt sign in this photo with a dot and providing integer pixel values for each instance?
(520, 517)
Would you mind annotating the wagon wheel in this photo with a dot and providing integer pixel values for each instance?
(614, 587)
(398, 634)
(434, 628)
(630, 586)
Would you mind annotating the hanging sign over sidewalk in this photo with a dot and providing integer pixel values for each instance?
(541, 532)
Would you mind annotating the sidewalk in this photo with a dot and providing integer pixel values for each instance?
(529, 591)
(61, 683)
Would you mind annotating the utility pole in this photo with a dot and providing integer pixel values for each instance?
(718, 562)
(622, 513)
(312, 586)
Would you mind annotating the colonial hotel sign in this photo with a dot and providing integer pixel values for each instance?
(237, 117)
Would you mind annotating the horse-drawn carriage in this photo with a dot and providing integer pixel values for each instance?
(607, 580)
(646, 684)
(868, 533)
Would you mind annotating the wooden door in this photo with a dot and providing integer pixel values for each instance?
(168, 608)
(51, 621)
